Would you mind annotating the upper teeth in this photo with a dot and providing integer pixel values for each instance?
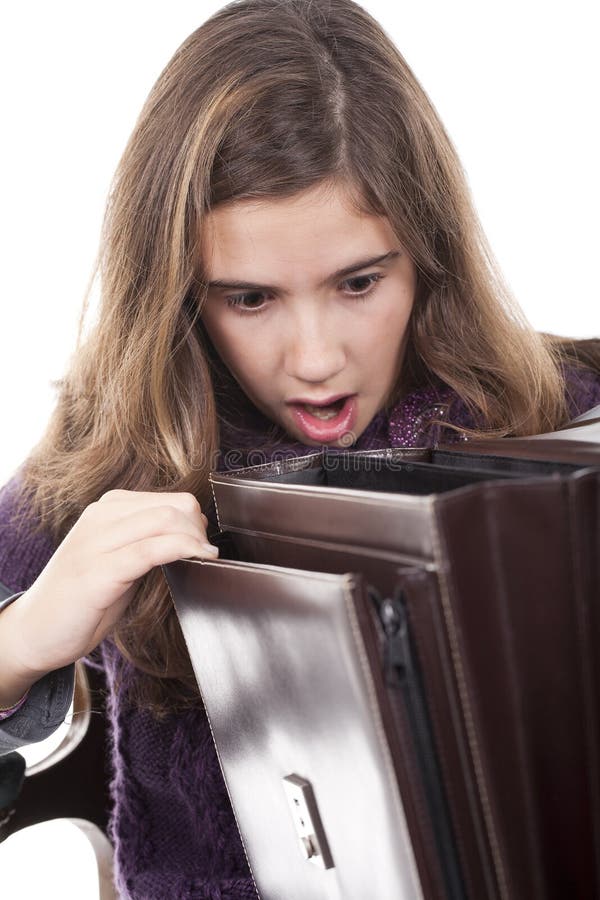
(321, 412)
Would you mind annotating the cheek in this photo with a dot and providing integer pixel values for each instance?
(385, 332)
(225, 338)
(397, 326)
(242, 349)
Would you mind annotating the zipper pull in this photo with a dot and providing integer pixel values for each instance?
(392, 613)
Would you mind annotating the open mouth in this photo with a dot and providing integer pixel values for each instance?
(326, 423)
(325, 412)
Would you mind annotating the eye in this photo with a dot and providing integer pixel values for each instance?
(248, 303)
(253, 302)
(361, 285)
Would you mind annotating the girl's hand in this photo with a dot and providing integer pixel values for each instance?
(85, 587)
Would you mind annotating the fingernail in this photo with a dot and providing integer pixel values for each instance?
(210, 548)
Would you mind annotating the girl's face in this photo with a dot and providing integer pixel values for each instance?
(308, 306)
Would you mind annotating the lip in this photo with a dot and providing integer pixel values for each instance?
(323, 402)
(328, 430)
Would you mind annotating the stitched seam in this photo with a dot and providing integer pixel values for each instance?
(583, 630)
(420, 583)
(453, 642)
(284, 465)
(298, 463)
(415, 580)
(400, 501)
(282, 571)
(515, 695)
(212, 488)
(392, 453)
(212, 734)
(349, 583)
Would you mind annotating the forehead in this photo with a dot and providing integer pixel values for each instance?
(313, 230)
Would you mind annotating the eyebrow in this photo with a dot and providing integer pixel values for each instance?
(384, 259)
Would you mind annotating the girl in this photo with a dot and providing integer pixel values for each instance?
(290, 259)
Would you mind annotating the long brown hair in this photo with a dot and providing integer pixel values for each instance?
(265, 99)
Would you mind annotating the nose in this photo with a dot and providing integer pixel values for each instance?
(314, 349)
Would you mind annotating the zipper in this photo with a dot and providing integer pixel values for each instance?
(401, 672)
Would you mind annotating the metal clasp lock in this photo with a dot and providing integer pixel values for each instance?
(307, 821)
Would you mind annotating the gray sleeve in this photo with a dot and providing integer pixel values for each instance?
(46, 706)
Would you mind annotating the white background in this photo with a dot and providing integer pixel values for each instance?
(515, 83)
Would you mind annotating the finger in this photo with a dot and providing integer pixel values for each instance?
(147, 523)
(184, 500)
(134, 500)
(133, 561)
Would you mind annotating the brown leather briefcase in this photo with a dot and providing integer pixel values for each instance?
(396, 654)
